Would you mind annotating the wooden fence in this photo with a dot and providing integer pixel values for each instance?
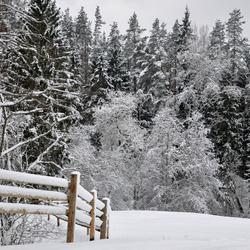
(74, 204)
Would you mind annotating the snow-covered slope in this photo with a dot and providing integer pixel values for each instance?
(150, 230)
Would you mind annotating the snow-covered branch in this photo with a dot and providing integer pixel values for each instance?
(46, 151)
(27, 112)
(23, 143)
(9, 104)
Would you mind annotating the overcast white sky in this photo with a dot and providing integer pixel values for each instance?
(202, 12)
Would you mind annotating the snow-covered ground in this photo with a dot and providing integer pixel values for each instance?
(144, 230)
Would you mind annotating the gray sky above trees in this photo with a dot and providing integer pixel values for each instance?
(203, 12)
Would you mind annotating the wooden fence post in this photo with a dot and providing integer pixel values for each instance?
(108, 228)
(75, 178)
(92, 214)
(108, 216)
(104, 220)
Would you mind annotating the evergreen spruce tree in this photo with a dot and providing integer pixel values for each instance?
(236, 45)
(69, 37)
(173, 62)
(97, 35)
(185, 36)
(227, 135)
(83, 49)
(237, 73)
(12, 31)
(185, 31)
(228, 129)
(134, 51)
(117, 73)
(226, 111)
(217, 40)
(38, 76)
(35, 100)
(99, 83)
(154, 77)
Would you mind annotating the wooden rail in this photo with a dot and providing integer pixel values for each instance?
(78, 207)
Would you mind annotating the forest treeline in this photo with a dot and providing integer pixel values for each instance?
(156, 122)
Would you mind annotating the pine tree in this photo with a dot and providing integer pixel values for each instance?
(183, 44)
(185, 31)
(97, 35)
(117, 74)
(134, 51)
(12, 15)
(217, 40)
(226, 134)
(29, 135)
(69, 38)
(99, 84)
(83, 48)
(236, 45)
(228, 129)
(204, 77)
(38, 77)
(173, 49)
(154, 77)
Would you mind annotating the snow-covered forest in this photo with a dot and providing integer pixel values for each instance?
(156, 122)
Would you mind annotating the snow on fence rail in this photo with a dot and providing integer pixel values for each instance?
(79, 207)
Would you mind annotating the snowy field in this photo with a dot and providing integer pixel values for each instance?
(149, 230)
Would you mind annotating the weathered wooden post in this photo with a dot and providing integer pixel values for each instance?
(104, 219)
(75, 178)
(92, 214)
(48, 215)
(108, 216)
(108, 229)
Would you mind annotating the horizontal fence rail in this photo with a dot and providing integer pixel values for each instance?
(19, 208)
(32, 193)
(74, 204)
(6, 175)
